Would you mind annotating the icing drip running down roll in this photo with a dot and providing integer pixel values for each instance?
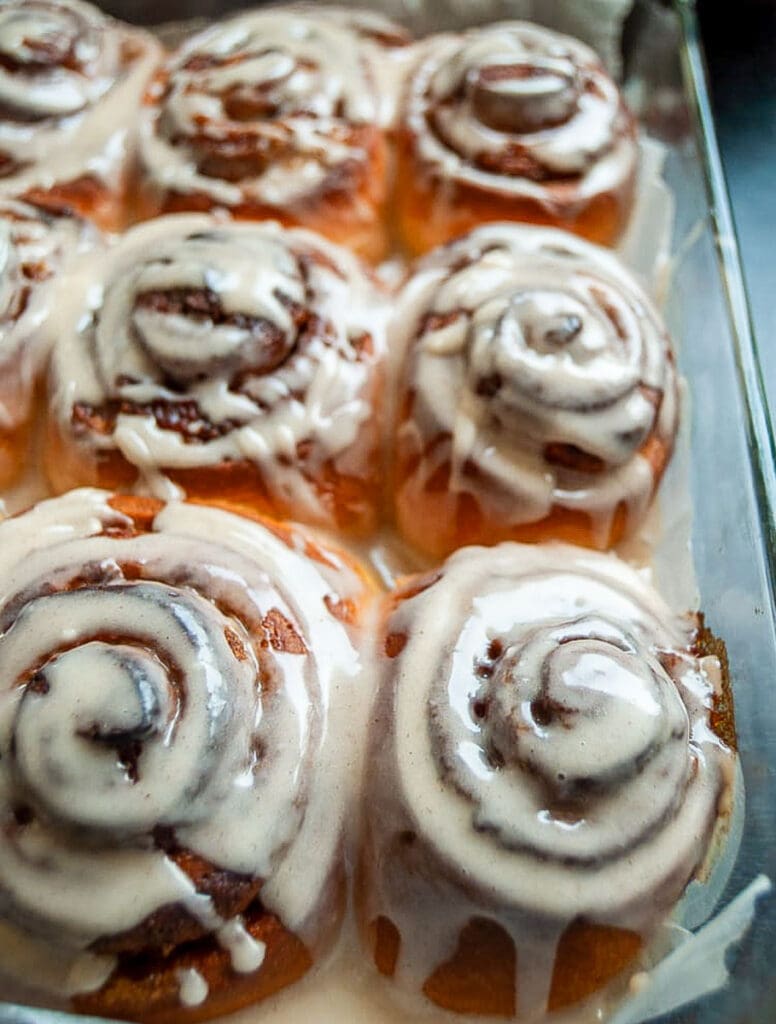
(538, 394)
(70, 82)
(513, 122)
(275, 114)
(176, 685)
(241, 361)
(544, 779)
(36, 246)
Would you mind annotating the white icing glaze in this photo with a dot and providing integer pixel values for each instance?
(293, 89)
(520, 338)
(272, 361)
(516, 87)
(542, 738)
(150, 699)
(388, 49)
(35, 248)
(247, 954)
(72, 96)
(194, 988)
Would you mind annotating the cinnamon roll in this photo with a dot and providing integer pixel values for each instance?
(544, 778)
(513, 122)
(177, 682)
(239, 361)
(71, 80)
(274, 114)
(36, 246)
(538, 394)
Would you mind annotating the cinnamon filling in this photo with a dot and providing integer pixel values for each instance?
(569, 456)
(181, 417)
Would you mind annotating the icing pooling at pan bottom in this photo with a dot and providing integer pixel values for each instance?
(347, 988)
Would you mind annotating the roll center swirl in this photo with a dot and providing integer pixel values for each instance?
(574, 722)
(204, 306)
(266, 84)
(553, 347)
(583, 714)
(519, 97)
(121, 730)
(126, 706)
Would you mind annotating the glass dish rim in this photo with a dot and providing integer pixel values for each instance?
(761, 440)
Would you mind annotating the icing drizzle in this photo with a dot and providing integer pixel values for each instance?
(198, 341)
(70, 79)
(190, 679)
(543, 737)
(271, 107)
(543, 363)
(517, 109)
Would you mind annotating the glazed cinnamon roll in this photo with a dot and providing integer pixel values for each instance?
(71, 80)
(36, 246)
(238, 361)
(544, 778)
(513, 122)
(538, 393)
(177, 682)
(273, 114)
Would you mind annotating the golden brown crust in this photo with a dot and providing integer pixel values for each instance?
(430, 212)
(424, 526)
(480, 976)
(385, 941)
(723, 719)
(427, 524)
(14, 446)
(352, 502)
(353, 216)
(589, 956)
(87, 197)
(148, 989)
(142, 510)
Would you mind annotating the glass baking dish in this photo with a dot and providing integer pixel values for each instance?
(732, 469)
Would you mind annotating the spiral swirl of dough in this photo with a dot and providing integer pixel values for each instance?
(183, 677)
(56, 59)
(67, 73)
(267, 106)
(546, 365)
(518, 109)
(549, 730)
(208, 341)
